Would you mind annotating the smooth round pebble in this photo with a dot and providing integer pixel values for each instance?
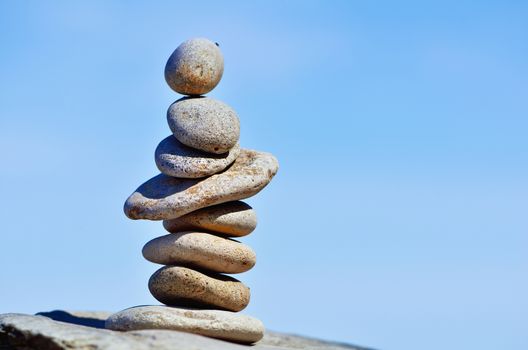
(181, 286)
(173, 158)
(200, 250)
(204, 123)
(233, 219)
(195, 67)
(211, 323)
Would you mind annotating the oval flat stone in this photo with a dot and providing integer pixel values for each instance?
(173, 158)
(211, 323)
(233, 219)
(181, 286)
(204, 123)
(200, 250)
(164, 197)
(195, 67)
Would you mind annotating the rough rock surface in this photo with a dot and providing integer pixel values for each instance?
(233, 219)
(164, 197)
(180, 286)
(204, 123)
(213, 323)
(173, 158)
(200, 250)
(195, 67)
(70, 330)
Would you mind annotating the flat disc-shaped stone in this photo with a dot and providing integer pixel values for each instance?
(204, 123)
(181, 286)
(164, 197)
(175, 159)
(200, 250)
(211, 323)
(233, 219)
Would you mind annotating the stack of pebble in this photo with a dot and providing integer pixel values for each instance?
(204, 174)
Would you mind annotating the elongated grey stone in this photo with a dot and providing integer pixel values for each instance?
(212, 323)
(175, 159)
(233, 219)
(164, 197)
(200, 250)
(19, 331)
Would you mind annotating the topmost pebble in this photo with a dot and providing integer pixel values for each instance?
(195, 67)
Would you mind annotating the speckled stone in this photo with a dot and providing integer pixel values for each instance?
(173, 158)
(181, 286)
(211, 323)
(234, 219)
(195, 67)
(200, 250)
(164, 197)
(204, 123)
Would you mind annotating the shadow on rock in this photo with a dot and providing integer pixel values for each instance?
(82, 320)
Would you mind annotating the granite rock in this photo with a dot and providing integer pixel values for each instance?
(212, 323)
(164, 197)
(195, 67)
(175, 159)
(181, 286)
(59, 332)
(234, 219)
(204, 123)
(201, 251)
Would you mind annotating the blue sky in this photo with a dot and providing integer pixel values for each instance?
(398, 217)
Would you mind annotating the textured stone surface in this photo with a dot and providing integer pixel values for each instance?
(278, 341)
(164, 197)
(204, 123)
(195, 67)
(200, 250)
(233, 219)
(173, 158)
(212, 323)
(18, 331)
(181, 286)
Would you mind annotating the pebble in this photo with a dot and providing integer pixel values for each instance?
(164, 197)
(204, 123)
(211, 323)
(195, 67)
(234, 219)
(200, 250)
(181, 286)
(175, 159)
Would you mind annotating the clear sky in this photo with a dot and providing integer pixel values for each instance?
(398, 218)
